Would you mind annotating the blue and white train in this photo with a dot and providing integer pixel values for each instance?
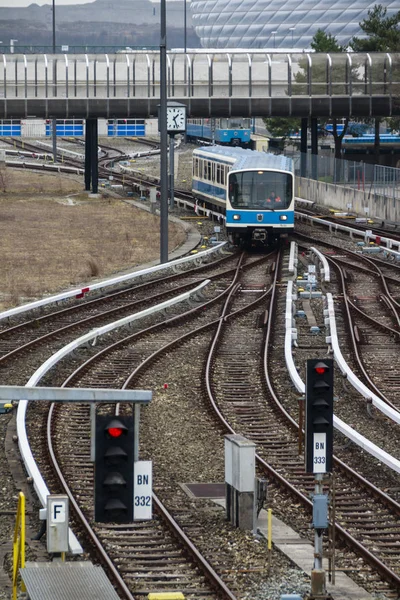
(254, 190)
(224, 132)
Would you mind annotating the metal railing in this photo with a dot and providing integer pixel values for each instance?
(252, 73)
(375, 179)
(210, 83)
(74, 49)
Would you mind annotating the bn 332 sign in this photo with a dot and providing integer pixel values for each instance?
(142, 491)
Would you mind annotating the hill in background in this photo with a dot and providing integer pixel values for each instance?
(100, 23)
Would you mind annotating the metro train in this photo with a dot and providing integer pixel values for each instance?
(254, 190)
(224, 132)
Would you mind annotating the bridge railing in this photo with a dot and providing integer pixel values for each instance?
(221, 74)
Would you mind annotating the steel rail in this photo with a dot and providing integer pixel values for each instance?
(75, 506)
(360, 362)
(387, 573)
(373, 490)
(206, 568)
(376, 492)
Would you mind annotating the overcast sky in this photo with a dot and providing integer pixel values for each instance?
(14, 3)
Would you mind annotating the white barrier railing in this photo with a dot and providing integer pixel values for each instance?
(23, 443)
(352, 232)
(64, 151)
(325, 271)
(290, 335)
(292, 258)
(340, 425)
(48, 167)
(333, 340)
(80, 292)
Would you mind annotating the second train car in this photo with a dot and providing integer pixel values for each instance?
(226, 132)
(255, 191)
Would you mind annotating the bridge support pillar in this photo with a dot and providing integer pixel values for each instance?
(91, 158)
(314, 148)
(303, 147)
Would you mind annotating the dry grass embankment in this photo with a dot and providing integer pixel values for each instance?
(50, 242)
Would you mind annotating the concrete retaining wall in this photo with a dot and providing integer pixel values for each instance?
(340, 197)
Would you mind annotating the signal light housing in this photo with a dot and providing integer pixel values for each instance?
(113, 477)
(319, 416)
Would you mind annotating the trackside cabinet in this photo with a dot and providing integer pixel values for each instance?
(240, 481)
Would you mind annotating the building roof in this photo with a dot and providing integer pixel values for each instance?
(279, 23)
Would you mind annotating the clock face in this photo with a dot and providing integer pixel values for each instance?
(176, 118)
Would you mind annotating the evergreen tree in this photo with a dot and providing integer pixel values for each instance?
(382, 35)
(326, 43)
(322, 42)
(382, 32)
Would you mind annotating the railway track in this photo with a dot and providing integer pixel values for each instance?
(47, 332)
(356, 512)
(107, 168)
(244, 406)
(145, 563)
(367, 518)
(366, 291)
(383, 230)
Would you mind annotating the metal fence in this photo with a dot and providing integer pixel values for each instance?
(376, 179)
(67, 49)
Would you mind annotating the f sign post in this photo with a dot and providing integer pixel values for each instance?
(57, 523)
(319, 416)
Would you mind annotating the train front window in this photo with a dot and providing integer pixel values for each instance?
(256, 190)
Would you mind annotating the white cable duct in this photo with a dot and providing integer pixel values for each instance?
(340, 425)
(387, 410)
(80, 292)
(23, 443)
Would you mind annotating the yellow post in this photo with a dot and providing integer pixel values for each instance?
(19, 544)
(166, 596)
(269, 528)
(269, 541)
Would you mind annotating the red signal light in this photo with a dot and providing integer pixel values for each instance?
(115, 431)
(116, 428)
(321, 368)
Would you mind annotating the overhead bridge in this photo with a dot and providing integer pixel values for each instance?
(212, 83)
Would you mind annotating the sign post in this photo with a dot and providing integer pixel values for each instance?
(57, 524)
(142, 491)
(319, 454)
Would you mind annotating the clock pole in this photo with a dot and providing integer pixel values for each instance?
(171, 170)
(163, 138)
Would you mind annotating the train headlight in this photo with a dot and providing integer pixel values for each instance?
(283, 218)
(236, 217)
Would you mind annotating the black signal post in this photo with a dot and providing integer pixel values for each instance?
(319, 416)
(114, 463)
